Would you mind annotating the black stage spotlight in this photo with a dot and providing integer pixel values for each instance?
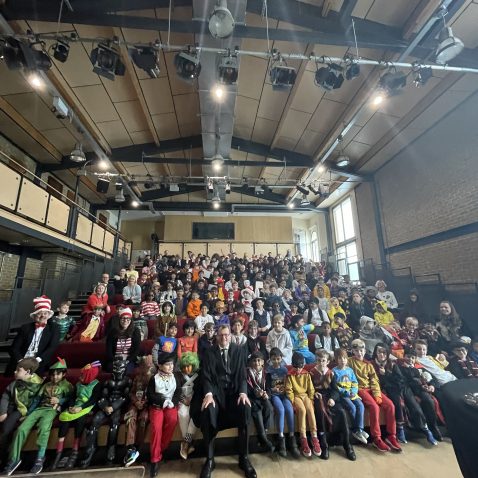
(302, 189)
(106, 61)
(392, 82)
(329, 77)
(187, 65)
(18, 54)
(352, 71)
(228, 69)
(314, 190)
(422, 75)
(146, 58)
(61, 50)
(13, 54)
(282, 76)
(102, 185)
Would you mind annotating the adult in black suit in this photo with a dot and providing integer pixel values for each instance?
(110, 288)
(224, 399)
(38, 339)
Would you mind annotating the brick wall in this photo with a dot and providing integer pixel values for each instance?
(33, 270)
(8, 274)
(428, 188)
(54, 264)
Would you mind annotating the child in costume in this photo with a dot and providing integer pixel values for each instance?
(203, 318)
(298, 334)
(141, 324)
(220, 317)
(207, 340)
(248, 295)
(347, 384)
(342, 331)
(137, 415)
(261, 407)
(163, 396)
(185, 378)
(149, 307)
(91, 328)
(166, 343)
(87, 394)
(166, 318)
(276, 373)
(114, 396)
(409, 333)
(49, 401)
(382, 315)
(17, 399)
(329, 414)
(193, 308)
(63, 321)
(374, 400)
(326, 339)
(300, 391)
(254, 342)
(189, 341)
(237, 336)
(279, 337)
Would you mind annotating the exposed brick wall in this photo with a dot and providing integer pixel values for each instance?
(428, 188)
(33, 270)
(54, 264)
(8, 274)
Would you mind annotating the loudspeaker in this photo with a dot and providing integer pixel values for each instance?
(102, 186)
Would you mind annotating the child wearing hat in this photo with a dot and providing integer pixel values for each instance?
(91, 328)
(38, 339)
(163, 395)
(49, 402)
(87, 393)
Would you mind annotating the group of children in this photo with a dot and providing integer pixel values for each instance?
(321, 386)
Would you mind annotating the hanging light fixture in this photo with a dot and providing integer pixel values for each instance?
(221, 21)
(187, 65)
(217, 162)
(449, 47)
(77, 155)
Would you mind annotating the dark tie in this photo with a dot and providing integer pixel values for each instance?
(224, 357)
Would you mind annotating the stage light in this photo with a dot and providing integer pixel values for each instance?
(314, 190)
(302, 189)
(187, 65)
(103, 164)
(102, 185)
(392, 82)
(342, 161)
(61, 50)
(217, 162)
(352, 71)
(218, 93)
(134, 203)
(321, 168)
(18, 55)
(149, 183)
(210, 185)
(228, 187)
(422, 75)
(36, 81)
(329, 77)
(221, 21)
(228, 69)
(106, 61)
(304, 201)
(119, 194)
(258, 190)
(449, 47)
(77, 155)
(216, 202)
(282, 76)
(146, 58)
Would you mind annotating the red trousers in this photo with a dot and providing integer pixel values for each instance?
(162, 422)
(374, 413)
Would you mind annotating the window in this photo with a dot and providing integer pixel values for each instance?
(346, 252)
(314, 245)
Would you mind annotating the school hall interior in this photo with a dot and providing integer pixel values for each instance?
(337, 136)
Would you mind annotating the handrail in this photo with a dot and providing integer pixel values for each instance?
(68, 201)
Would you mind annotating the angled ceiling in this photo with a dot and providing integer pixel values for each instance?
(276, 136)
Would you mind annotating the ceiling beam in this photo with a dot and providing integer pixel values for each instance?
(346, 10)
(154, 194)
(267, 194)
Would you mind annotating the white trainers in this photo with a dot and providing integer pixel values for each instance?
(360, 436)
(131, 457)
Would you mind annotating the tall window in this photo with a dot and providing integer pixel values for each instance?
(346, 246)
(314, 245)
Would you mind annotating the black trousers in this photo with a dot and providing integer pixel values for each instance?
(230, 415)
(7, 429)
(261, 411)
(340, 421)
(410, 405)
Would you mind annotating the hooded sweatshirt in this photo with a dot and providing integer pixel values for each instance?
(19, 395)
(383, 318)
(372, 336)
(282, 341)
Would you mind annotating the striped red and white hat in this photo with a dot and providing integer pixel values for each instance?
(126, 312)
(42, 303)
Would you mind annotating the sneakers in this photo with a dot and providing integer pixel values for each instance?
(12, 465)
(183, 450)
(392, 442)
(380, 445)
(430, 438)
(316, 450)
(131, 456)
(304, 447)
(401, 435)
(37, 466)
(360, 436)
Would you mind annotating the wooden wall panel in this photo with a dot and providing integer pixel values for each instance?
(265, 249)
(282, 249)
(243, 248)
(171, 247)
(83, 229)
(196, 247)
(10, 186)
(109, 242)
(219, 248)
(98, 236)
(58, 213)
(33, 201)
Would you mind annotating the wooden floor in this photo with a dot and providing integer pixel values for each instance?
(416, 461)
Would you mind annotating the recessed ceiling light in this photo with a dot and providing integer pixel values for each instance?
(290, 205)
(134, 203)
(321, 168)
(378, 99)
(103, 164)
(217, 162)
(35, 80)
(218, 92)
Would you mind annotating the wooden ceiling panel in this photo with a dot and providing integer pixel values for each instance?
(309, 142)
(377, 127)
(166, 126)
(245, 111)
(157, 94)
(31, 106)
(465, 26)
(356, 150)
(252, 72)
(264, 130)
(243, 132)
(115, 133)
(140, 137)
(238, 155)
(132, 115)
(61, 138)
(326, 115)
(177, 13)
(12, 81)
(308, 95)
(394, 14)
(96, 103)
(187, 108)
(121, 89)
(192, 128)
(272, 103)
(294, 125)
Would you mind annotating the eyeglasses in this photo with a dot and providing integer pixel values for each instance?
(224, 335)
(358, 347)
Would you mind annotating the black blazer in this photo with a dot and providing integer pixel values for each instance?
(49, 341)
(213, 369)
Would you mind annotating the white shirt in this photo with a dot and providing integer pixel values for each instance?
(201, 321)
(33, 347)
(442, 376)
